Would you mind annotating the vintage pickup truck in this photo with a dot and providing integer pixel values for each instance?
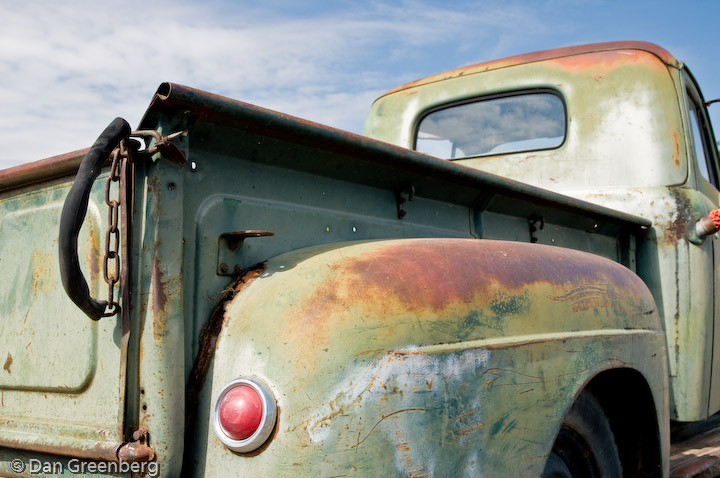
(511, 274)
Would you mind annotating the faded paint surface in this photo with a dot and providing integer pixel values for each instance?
(390, 398)
(622, 115)
(374, 369)
(159, 396)
(626, 148)
(60, 391)
(679, 274)
(29, 250)
(539, 56)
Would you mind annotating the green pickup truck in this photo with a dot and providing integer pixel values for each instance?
(512, 273)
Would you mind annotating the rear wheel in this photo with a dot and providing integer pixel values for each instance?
(584, 447)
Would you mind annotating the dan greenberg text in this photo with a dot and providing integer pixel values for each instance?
(80, 467)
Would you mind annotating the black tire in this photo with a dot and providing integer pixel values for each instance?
(584, 447)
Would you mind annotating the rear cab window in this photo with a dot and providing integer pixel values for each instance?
(523, 121)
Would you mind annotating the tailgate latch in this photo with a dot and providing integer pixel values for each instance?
(138, 450)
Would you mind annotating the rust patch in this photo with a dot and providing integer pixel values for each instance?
(30, 173)
(702, 467)
(159, 301)
(101, 451)
(588, 297)
(403, 447)
(382, 418)
(137, 451)
(676, 149)
(600, 64)
(447, 277)
(470, 430)
(611, 47)
(207, 343)
(8, 363)
(93, 255)
(676, 229)
(433, 274)
(43, 272)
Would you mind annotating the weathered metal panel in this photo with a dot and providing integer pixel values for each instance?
(538, 56)
(626, 149)
(428, 357)
(40, 171)
(623, 120)
(62, 383)
(680, 275)
(158, 311)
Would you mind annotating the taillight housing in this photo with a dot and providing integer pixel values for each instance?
(244, 414)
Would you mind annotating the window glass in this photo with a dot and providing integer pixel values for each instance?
(704, 164)
(524, 122)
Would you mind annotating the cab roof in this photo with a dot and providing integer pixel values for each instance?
(652, 48)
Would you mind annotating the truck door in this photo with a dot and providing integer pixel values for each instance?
(703, 150)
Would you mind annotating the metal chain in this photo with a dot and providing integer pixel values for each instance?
(120, 158)
(112, 235)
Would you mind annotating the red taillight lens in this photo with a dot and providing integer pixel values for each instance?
(244, 414)
(240, 412)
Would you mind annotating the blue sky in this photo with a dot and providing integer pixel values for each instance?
(68, 68)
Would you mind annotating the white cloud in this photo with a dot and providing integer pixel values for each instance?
(68, 68)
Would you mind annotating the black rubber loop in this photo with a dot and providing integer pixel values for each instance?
(73, 216)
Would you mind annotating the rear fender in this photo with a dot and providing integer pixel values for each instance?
(430, 355)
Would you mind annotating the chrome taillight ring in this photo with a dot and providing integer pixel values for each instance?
(267, 422)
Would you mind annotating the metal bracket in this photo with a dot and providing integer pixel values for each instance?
(404, 193)
(163, 145)
(230, 250)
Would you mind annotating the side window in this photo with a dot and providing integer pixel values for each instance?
(495, 125)
(701, 138)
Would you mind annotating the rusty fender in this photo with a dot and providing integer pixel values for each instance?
(429, 357)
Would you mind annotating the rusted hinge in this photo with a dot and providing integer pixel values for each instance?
(138, 450)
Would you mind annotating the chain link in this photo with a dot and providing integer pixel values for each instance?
(111, 261)
(120, 158)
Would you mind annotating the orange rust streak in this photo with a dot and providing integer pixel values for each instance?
(471, 430)
(92, 256)
(420, 276)
(434, 274)
(8, 363)
(600, 65)
(41, 170)
(159, 301)
(659, 52)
